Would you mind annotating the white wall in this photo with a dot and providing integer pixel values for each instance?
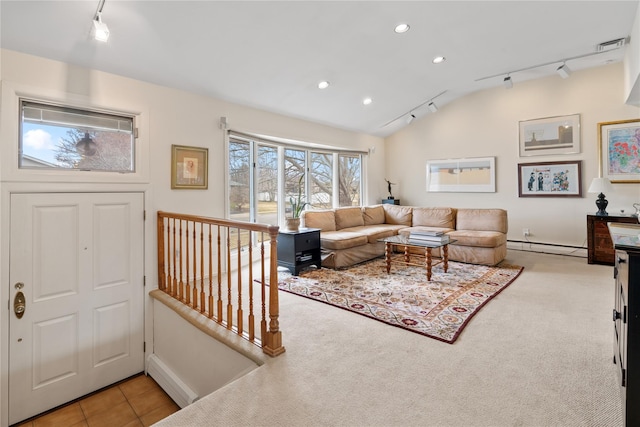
(203, 363)
(486, 124)
(632, 64)
(168, 117)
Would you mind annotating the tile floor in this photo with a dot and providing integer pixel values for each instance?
(137, 401)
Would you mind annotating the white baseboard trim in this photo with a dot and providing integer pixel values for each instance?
(170, 383)
(547, 248)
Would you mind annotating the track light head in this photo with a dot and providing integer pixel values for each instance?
(432, 107)
(100, 31)
(508, 83)
(564, 71)
(410, 118)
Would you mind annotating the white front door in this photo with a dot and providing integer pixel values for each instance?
(77, 258)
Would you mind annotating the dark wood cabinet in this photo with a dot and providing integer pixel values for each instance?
(299, 249)
(626, 318)
(599, 245)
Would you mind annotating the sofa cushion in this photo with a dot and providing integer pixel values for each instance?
(348, 217)
(433, 217)
(325, 220)
(485, 239)
(397, 215)
(373, 215)
(335, 240)
(375, 232)
(482, 220)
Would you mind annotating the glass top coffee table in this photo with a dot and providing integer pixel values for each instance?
(406, 244)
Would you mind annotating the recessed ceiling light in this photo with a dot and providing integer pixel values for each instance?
(401, 28)
(438, 59)
(323, 85)
(367, 101)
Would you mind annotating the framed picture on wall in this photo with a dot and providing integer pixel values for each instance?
(550, 135)
(474, 175)
(550, 179)
(189, 167)
(619, 150)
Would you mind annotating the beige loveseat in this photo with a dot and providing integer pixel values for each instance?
(350, 235)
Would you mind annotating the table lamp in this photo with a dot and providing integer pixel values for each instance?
(600, 185)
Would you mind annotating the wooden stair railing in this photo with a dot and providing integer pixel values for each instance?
(191, 270)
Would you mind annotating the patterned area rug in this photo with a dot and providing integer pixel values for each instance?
(439, 309)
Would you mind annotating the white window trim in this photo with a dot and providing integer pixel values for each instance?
(283, 144)
(9, 135)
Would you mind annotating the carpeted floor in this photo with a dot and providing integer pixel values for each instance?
(539, 354)
(404, 298)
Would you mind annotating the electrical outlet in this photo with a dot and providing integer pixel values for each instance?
(525, 232)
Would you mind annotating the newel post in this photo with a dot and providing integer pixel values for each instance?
(272, 342)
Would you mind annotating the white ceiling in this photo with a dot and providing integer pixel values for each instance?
(272, 54)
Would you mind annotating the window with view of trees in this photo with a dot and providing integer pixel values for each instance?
(349, 182)
(260, 170)
(56, 137)
(321, 180)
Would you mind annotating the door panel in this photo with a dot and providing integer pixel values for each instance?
(55, 243)
(111, 330)
(111, 260)
(80, 260)
(52, 340)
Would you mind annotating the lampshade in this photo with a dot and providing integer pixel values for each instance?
(600, 185)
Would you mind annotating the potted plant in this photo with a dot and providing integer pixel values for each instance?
(297, 206)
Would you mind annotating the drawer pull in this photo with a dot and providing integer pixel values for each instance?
(616, 315)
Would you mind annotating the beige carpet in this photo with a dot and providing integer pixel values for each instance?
(540, 354)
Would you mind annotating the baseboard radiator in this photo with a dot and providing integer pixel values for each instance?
(170, 383)
(548, 248)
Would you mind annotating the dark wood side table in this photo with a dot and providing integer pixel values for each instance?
(299, 249)
(599, 245)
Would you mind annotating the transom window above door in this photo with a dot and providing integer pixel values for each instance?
(59, 137)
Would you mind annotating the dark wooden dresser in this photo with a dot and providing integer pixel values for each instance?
(626, 317)
(599, 245)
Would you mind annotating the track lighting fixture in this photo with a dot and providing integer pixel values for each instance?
(508, 83)
(564, 71)
(99, 31)
(409, 116)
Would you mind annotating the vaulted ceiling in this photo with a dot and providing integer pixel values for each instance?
(271, 55)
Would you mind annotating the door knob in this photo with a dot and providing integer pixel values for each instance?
(19, 305)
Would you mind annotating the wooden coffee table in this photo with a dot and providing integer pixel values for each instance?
(406, 244)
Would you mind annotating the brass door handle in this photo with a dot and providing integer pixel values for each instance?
(19, 305)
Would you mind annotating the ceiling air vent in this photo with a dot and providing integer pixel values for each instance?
(611, 45)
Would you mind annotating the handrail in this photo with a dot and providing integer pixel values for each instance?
(189, 261)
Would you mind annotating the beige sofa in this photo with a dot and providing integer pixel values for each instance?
(350, 235)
